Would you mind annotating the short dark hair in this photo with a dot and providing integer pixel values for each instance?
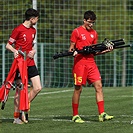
(89, 15)
(31, 13)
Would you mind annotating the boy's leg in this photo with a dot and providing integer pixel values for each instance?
(75, 99)
(16, 108)
(16, 104)
(19, 117)
(36, 83)
(100, 102)
(75, 104)
(16, 99)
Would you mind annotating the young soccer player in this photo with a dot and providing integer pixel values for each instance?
(85, 68)
(23, 37)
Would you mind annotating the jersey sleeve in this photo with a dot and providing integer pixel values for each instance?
(74, 36)
(13, 36)
(96, 38)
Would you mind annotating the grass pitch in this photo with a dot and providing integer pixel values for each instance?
(51, 112)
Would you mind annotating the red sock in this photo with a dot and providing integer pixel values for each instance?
(100, 106)
(75, 109)
(16, 114)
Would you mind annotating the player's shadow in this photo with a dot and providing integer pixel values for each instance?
(62, 118)
(90, 118)
(6, 120)
(69, 118)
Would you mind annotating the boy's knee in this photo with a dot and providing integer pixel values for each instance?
(77, 87)
(37, 90)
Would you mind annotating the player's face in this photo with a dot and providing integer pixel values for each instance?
(89, 24)
(34, 20)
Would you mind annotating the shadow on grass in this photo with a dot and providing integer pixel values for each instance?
(69, 118)
(8, 120)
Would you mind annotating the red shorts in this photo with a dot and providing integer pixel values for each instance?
(85, 71)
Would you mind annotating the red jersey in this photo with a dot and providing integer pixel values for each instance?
(82, 37)
(85, 68)
(22, 37)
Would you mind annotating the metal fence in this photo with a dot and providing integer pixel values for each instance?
(57, 20)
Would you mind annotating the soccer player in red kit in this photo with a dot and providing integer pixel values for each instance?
(85, 68)
(23, 37)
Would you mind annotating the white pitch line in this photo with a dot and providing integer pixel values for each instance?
(67, 120)
(132, 122)
(46, 93)
(63, 91)
(91, 115)
(62, 120)
(112, 121)
(54, 92)
(34, 118)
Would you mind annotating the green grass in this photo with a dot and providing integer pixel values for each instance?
(51, 112)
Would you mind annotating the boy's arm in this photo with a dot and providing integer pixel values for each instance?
(12, 49)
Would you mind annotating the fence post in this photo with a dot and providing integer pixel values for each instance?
(34, 3)
(42, 65)
(3, 62)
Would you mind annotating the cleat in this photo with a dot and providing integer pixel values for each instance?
(23, 117)
(17, 121)
(77, 119)
(104, 116)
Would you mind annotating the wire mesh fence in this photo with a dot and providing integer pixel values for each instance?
(56, 21)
